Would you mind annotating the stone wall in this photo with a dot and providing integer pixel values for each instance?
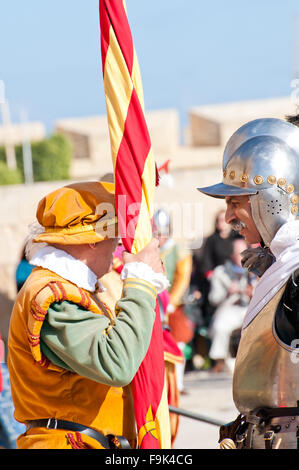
(214, 124)
(15, 134)
(91, 144)
(17, 211)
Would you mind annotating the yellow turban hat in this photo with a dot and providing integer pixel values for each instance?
(77, 214)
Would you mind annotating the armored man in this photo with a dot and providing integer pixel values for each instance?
(261, 188)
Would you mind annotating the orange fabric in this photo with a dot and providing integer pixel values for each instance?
(172, 352)
(77, 214)
(42, 438)
(42, 390)
(173, 397)
(181, 280)
(181, 327)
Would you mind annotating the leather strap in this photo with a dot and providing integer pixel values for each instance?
(261, 415)
(108, 442)
(277, 412)
(269, 437)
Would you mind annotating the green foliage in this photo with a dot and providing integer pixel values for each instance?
(51, 159)
(8, 176)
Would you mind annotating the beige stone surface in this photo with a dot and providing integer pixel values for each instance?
(91, 145)
(18, 205)
(210, 396)
(14, 134)
(214, 124)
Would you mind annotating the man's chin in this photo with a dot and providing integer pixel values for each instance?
(249, 237)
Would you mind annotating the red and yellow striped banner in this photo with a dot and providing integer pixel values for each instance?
(135, 181)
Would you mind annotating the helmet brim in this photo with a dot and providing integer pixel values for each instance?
(222, 190)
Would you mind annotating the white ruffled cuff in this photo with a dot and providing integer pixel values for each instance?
(144, 271)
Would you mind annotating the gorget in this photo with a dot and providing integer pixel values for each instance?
(285, 248)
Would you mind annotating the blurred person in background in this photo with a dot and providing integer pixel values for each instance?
(215, 250)
(230, 293)
(23, 270)
(218, 246)
(10, 429)
(177, 262)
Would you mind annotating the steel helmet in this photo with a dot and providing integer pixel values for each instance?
(161, 222)
(261, 160)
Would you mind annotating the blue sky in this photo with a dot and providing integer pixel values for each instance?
(191, 52)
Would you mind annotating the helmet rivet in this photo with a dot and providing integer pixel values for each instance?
(281, 182)
(232, 174)
(271, 179)
(244, 178)
(258, 179)
(290, 188)
(294, 209)
(224, 173)
(294, 199)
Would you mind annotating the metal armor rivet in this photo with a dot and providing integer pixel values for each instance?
(224, 173)
(271, 179)
(294, 199)
(232, 174)
(294, 209)
(258, 179)
(290, 188)
(281, 182)
(244, 178)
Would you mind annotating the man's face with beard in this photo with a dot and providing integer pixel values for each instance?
(238, 215)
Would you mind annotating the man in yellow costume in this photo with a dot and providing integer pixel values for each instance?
(71, 357)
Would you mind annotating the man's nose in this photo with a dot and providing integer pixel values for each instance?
(229, 215)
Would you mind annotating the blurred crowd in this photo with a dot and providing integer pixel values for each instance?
(219, 292)
(209, 294)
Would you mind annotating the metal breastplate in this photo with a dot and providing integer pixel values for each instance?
(266, 374)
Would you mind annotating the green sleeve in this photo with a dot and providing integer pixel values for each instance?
(90, 345)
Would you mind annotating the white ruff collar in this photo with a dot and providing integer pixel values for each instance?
(66, 266)
(285, 247)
